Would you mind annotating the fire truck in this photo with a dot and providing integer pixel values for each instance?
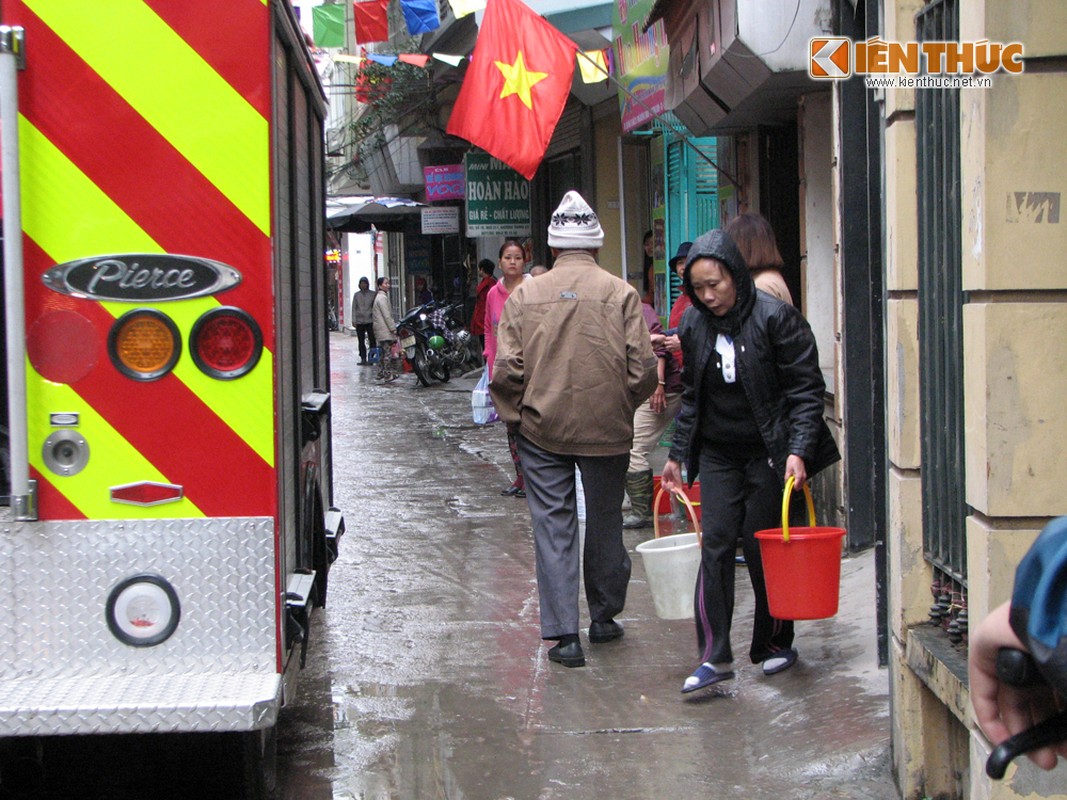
(170, 525)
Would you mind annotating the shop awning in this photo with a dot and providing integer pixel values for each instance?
(358, 214)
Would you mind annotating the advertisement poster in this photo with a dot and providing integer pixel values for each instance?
(641, 60)
(443, 183)
(440, 220)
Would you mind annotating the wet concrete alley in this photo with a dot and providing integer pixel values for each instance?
(428, 678)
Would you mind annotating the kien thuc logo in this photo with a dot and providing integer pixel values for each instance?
(831, 58)
(837, 57)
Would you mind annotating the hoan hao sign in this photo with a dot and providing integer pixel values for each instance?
(141, 277)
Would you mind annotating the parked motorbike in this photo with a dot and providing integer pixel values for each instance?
(437, 343)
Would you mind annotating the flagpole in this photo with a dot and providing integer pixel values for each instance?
(662, 119)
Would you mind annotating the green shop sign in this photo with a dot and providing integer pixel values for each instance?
(498, 198)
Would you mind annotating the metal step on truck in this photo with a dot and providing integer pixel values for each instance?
(169, 525)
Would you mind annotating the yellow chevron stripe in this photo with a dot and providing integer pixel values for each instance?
(59, 203)
(88, 490)
(175, 90)
(65, 212)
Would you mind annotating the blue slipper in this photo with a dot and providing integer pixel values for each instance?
(704, 676)
(779, 662)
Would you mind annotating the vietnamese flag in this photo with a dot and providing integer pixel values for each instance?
(516, 86)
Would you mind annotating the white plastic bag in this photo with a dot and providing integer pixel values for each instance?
(482, 403)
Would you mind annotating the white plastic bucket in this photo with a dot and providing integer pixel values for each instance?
(671, 564)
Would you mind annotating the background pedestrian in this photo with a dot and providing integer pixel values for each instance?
(512, 260)
(755, 241)
(650, 421)
(362, 319)
(385, 332)
(486, 268)
(574, 361)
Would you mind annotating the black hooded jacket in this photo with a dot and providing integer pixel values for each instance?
(777, 362)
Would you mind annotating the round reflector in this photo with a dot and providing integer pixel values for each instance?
(143, 610)
(225, 343)
(144, 344)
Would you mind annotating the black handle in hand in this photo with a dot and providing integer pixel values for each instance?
(1018, 669)
(1052, 730)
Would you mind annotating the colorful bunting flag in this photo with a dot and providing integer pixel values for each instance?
(420, 16)
(593, 65)
(461, 8)
(328, 25)
(454, 61)
(516, 86)
(371, 83)
(385, 61)
(372, 21)
(415, 59)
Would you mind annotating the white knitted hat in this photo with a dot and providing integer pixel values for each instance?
(575, 225)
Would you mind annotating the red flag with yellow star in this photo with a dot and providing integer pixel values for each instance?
(516, 86)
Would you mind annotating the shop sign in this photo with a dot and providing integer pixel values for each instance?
(498, 198)
(440, 220)
(444, 182)
(642, 63)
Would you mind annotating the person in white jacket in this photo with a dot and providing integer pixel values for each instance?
(385, 332)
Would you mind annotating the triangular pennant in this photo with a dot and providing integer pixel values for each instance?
(454, 61)
(416, 59)
(593, 65)
(461, 8)
(385, 61)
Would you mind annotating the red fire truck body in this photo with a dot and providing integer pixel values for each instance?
(171, 523)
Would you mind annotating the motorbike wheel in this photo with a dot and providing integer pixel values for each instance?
(441, 372)
(421, 368)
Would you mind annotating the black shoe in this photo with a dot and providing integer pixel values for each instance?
(569, 655)
(600, 632)
(513, 491)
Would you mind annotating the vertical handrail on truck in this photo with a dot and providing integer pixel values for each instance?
(23, 494)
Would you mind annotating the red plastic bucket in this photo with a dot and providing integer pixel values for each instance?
(801, 565)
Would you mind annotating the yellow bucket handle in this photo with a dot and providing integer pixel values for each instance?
(689, 507)
(785, 507)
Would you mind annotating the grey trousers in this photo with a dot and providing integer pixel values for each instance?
(552, 497)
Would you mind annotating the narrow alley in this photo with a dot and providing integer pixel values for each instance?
(436, 684)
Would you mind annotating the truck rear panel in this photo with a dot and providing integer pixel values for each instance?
(171, 167)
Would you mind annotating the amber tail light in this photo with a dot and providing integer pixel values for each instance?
(144, 344)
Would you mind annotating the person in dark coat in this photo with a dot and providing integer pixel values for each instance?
(363, 318)
(751, 417)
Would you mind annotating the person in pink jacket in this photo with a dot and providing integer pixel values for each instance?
(512, 259)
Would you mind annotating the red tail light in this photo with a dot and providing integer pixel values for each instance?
(225, 343)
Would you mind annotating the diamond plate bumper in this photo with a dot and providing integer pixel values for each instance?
(64, 671)
(139, 704)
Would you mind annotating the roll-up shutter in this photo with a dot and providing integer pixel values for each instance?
(568, 133)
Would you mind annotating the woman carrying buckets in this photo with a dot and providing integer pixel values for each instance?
(751, 417)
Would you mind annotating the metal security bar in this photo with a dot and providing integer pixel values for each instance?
(941, 300)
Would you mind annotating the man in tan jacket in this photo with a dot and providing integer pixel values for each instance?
(573, 362)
